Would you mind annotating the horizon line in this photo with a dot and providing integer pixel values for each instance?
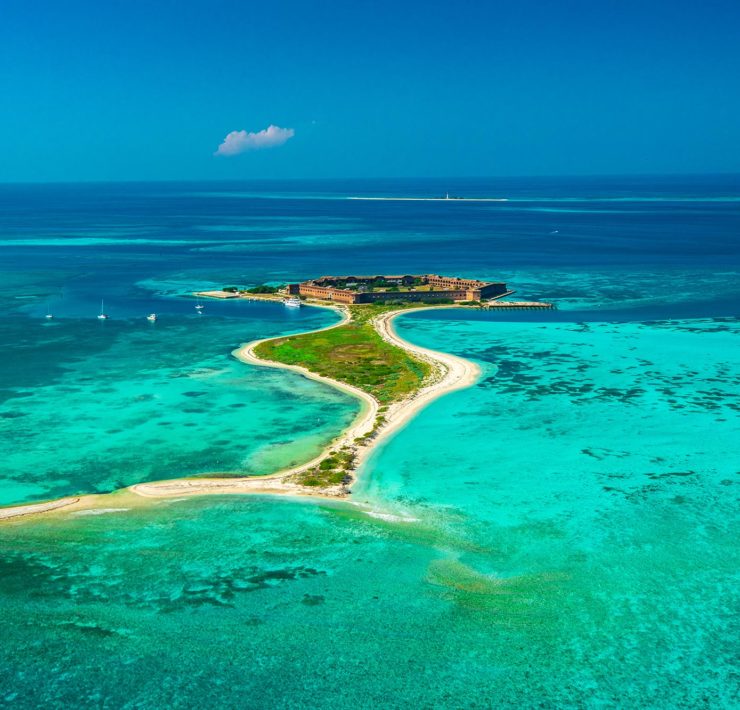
(129, 181)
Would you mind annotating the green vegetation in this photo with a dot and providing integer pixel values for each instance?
(379, 422)
(332, 471)
(353, 353)
(230, 289)
(381, 283)
(263, 288)
(390, 302)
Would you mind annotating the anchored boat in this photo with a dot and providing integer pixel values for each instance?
(102, 315)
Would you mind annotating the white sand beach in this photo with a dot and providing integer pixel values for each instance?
(449, 373)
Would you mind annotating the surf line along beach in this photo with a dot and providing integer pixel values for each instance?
(377, 420)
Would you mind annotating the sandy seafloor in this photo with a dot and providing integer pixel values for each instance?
(562, 534)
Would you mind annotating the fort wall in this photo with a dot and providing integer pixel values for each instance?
(332, 288)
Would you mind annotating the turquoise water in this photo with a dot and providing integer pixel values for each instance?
(578, 550)
(89, 407)
(562, 534)
(599, 407)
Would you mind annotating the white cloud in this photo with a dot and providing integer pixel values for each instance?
(239, 141)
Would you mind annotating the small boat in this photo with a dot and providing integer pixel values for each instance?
(49, 315)
(199, 306)
(292, 302)
(102, 315)
(152, 317)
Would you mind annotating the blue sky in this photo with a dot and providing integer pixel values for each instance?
(129, 90)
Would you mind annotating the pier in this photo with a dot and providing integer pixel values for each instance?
(518, 306)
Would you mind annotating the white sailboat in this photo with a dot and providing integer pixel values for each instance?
(199, 305)
(49, 315)
(152, 317)
(102, 315)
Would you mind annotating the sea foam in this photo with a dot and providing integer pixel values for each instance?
(100, 511)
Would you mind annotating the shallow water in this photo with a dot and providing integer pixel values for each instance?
(578, 550)
(89, 407)
(561, 534)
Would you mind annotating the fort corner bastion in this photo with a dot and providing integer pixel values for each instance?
(406, 287)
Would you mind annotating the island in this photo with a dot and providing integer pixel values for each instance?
(361, 355)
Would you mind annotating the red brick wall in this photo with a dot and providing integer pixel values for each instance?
(329, 294)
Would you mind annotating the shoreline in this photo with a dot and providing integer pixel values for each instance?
(449, 373)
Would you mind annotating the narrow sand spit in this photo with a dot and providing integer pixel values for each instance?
(449, 373)
(19, 511)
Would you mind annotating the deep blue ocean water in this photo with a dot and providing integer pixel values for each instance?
(562, 534)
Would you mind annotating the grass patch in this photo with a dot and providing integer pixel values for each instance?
(332, 471)
(355, 354)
